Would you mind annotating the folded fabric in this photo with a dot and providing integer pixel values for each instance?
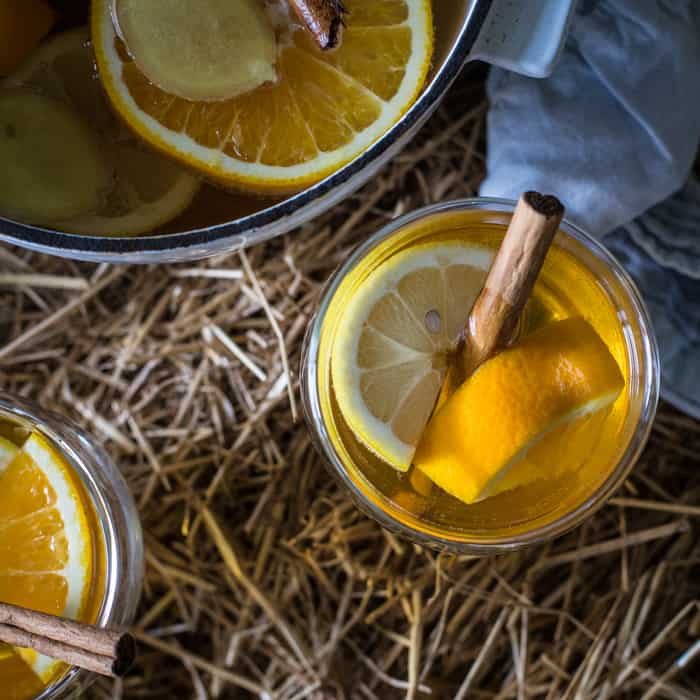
(672, 297)
(616, 127)
(614, 133)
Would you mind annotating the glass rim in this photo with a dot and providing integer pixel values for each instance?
(648, 359)
(108, 493)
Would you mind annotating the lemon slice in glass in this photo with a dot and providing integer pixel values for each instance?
(391, 349)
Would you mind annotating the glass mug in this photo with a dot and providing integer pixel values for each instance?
(116, 519)
(521, 517)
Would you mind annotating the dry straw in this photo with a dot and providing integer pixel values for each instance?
(263, 580)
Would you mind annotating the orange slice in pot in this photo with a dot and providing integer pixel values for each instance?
(22, 26)
(324, 109)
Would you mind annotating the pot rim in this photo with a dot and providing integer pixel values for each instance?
(272, 221)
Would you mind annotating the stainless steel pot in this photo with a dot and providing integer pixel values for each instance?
(521, 35)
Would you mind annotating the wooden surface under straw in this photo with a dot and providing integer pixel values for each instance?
(263, 580)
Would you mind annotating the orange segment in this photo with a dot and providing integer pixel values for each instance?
(27, 504)
(356, 57)
(384, 14)
(324, 109)
(23, 24)
(335, 109)
(548, 380)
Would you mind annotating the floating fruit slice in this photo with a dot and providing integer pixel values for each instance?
(390, 353)
(8, 450)
(324, 109)
(19, 682)
(46, 544)
(199, 49)
(51, 163)
(563, 450)
(548, 379)
(146, 190)
(22, 26)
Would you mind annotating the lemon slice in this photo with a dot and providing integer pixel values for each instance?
(147, 190)
(324, 109)
(390, 352)
(549, 379)
(46, 544)
(52, 167)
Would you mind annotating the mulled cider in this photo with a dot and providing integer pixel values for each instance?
(71, 542)
(533, 438)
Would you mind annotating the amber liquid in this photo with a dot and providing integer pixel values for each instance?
(214, 205)
(17, 433)
(576, 459)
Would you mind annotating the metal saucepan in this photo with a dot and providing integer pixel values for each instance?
(462, 25)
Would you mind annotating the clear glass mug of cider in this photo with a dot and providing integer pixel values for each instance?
(71, 540)
(377, 350)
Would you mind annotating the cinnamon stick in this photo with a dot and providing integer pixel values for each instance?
(107, 652)
(512, 276)
(495, 314)
(323, 18)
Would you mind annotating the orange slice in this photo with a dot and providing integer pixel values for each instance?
(19, 682)
(325, 108)
(23, 24)
(46, 543)
(549, 379)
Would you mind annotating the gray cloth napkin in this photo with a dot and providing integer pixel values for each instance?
(614, 133)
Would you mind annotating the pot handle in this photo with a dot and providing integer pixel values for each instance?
(524, 36)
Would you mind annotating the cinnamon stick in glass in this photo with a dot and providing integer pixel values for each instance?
(495, 314)
(107, 652)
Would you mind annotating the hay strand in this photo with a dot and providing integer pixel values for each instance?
(263, 580)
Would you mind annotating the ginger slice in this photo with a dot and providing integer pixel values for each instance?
(200, 50)
(51, 164)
